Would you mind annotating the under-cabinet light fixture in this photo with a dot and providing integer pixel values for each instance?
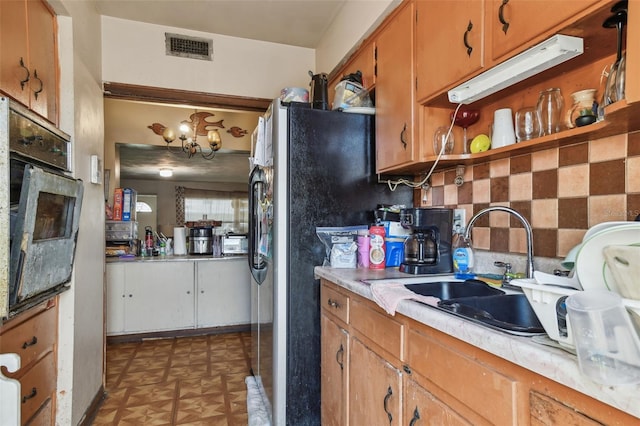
(541, 57)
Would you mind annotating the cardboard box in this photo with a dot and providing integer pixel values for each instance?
(129, 199)
(118, 194)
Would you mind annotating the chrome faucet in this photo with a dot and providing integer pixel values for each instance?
(522, 219)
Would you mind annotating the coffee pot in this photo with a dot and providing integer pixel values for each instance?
(427, 250)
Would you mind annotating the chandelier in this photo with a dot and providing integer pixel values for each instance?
(196, 125)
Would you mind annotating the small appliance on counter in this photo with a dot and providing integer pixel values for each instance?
(201, 240)
(428, 249)
(235, 244)
(121, 238)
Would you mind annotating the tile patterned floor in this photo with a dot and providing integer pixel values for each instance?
(182, 381)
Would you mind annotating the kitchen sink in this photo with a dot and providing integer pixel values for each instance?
(508, 312)
(445, 290)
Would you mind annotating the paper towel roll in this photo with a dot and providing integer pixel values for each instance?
(180, 241)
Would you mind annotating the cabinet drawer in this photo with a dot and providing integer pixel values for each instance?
(37, 386)
(489, 393)
(382, 329)
(335, 303)
(31, 338)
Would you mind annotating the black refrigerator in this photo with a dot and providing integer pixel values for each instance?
(310, 168)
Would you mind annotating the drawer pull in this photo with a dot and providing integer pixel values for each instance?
(466, 40)
(340, 357)
(505, 24)
(386, 402)
(333, 304)
(33, 341)
(406, 369)
(37, 92)
(26, 79)
(416, 417)
(403, 137)
(33, 393)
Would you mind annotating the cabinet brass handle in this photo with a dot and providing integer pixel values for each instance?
(36, 92)
(466, 40)
(333, 304)
(505, 24)
(416, 417)
(340, 357)
(33, 393)
(26, 79)
(386, 402)
(403, 138)
(32, 342)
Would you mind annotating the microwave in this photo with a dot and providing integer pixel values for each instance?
(235, 244)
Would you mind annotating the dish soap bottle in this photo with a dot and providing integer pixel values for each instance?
(462, 257)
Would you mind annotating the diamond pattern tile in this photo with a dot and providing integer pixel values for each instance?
(177, 381)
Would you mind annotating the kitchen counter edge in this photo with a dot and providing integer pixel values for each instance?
(154, 259)
(555, 364)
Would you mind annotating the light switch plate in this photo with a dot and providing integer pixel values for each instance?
(96, 169)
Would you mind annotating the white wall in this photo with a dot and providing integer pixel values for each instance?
(134, 53)
(81, 323)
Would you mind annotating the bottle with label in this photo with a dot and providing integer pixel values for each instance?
(376, 247)
(462, 256)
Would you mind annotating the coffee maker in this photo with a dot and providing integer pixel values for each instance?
(427, 250)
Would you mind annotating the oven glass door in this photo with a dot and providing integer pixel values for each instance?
(44, 233)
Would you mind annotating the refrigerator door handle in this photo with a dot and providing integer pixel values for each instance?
(257, 185)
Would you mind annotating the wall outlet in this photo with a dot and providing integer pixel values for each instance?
(459, 220)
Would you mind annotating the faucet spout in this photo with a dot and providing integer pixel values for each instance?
(522, 219)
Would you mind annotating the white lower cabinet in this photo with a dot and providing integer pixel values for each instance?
(144, 297)
(223, 293)
(150, 297)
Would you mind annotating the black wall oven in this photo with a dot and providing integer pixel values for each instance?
(44, 208)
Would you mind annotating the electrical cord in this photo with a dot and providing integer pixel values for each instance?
(393, 184)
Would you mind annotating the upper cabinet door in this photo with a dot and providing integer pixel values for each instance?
(43, 60)
(516, 23)
(14, 77)
(448, 45)
(28, 55)
(394, 92)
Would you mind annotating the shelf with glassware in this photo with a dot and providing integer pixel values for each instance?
(580, 73)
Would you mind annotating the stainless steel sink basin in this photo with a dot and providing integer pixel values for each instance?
(476, 301)
(508, 312)
(445, 290)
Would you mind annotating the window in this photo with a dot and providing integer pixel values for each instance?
(231, 208)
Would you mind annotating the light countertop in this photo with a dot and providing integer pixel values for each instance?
(552, 363)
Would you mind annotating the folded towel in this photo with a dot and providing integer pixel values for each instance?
(388, 295)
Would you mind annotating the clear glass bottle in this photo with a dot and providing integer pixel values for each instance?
(550, 106)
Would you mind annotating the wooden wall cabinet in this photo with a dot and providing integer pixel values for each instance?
(33, 335)
(395, 143)
(29, 55)
(511, 27)
(449, 44)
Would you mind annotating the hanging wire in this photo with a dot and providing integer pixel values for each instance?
(393, 184)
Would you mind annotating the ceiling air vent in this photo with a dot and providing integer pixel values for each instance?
(188, 47)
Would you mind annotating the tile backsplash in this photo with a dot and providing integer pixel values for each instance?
(561, 191)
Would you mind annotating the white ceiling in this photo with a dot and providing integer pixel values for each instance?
(292, 22)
